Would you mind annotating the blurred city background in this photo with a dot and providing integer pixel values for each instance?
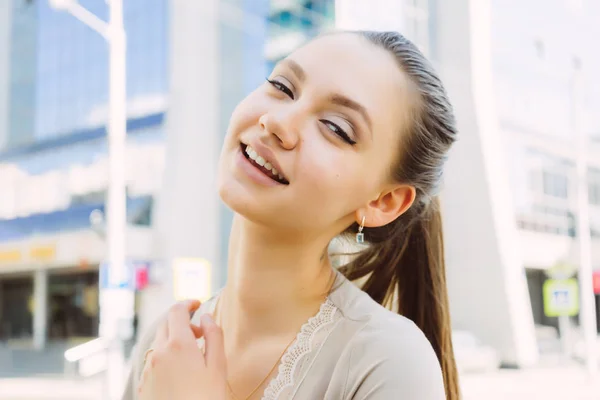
(521, 199)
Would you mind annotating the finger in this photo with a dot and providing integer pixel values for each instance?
(179, 321)
(162, 334)
(214, 343)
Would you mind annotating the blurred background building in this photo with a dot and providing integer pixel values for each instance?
(189, 63)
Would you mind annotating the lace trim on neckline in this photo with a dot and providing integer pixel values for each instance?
(302, 346)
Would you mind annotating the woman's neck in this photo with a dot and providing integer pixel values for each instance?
(275, 283)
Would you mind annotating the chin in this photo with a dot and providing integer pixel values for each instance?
(240, 200)
(258, 211)
(260, 205)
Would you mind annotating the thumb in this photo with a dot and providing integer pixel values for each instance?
(214, 344)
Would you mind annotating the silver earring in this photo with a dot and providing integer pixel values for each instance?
(360, 236)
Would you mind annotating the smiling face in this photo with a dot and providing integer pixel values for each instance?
(312, 149)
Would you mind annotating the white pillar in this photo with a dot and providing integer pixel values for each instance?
(40, 308)
(486, 278)
(187, 210)
(5, 45)
(587, 314)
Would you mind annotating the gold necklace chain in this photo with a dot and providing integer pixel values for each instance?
(218, 319)
(260, 384)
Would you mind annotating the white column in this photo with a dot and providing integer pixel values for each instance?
(187, 209)
(5, 44)
(40, 308)
(587, 314)
(486, 278)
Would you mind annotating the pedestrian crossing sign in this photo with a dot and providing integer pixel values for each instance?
(561, 297)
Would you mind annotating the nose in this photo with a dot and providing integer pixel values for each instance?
(283, 126)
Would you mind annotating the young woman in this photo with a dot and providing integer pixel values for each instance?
(347, 136)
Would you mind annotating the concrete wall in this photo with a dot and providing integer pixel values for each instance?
(488, 289)
(186, 216)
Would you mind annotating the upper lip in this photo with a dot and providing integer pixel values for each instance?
(268, 156)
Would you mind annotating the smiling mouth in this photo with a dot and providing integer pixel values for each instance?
(262, 165)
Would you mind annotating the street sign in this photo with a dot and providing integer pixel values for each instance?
(596, 281)
(191, 279)
(561, 297)
(135, 277)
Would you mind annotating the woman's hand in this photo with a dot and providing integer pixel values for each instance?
(176, 368)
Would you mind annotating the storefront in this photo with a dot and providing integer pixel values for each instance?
(72, 304)
(16, 314)
(50, 285)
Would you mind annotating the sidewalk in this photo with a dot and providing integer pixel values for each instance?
(544, 383)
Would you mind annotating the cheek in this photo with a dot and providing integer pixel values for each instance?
(332, 176)
(246, 114)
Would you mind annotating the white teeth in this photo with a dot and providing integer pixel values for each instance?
(262, 162)
(251, 153)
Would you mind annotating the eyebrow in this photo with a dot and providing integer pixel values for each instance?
(296, 68)
(353, 105)
(337, 98)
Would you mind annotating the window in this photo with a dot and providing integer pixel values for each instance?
(594, 193)
(71, 66)
(293, 23)
(555, 184)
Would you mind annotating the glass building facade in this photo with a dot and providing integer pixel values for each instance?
(57, 106)
(58, 96)
(72, 66)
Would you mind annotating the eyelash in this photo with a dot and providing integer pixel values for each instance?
(332, 126)
(281, 87)
(338, 131)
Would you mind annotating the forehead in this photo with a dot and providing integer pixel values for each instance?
(350, 65)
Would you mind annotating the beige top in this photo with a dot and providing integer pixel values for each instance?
(353, 348)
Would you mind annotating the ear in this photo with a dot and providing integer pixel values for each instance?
(388, 206)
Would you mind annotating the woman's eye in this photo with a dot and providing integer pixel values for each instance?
(335, 128)
(281, 87)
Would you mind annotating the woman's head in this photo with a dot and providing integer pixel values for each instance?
(357, 125)
(334, 116)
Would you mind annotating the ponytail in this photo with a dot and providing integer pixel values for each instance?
(404, 270)
(404, 266)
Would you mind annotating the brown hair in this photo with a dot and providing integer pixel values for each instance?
(404, 263)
